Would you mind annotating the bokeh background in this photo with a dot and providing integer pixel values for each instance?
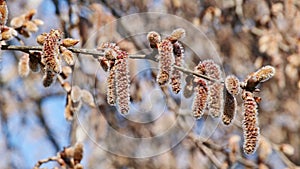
(246, 35)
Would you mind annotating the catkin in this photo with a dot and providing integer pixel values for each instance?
(50, 55)
(3, 13)
(215, 89)
(111, 86)
(250, 123)
(176, 74)
(176, 35)
(67, 55)
(122, 85)
(229, 108)
(189, 86)
(232, 85)
(200, 100)
(166, 59)
(23, 66)
(34, 61)
(265, 73)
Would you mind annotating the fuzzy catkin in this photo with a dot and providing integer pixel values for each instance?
(215, 89)
(232, 85)
(111, 86)
(229, 108)
(176, 74)
(23, 66)
(265, 73)
(250, 123)
(122, 85)
(50, 55)
(166, 59)
(200, 100)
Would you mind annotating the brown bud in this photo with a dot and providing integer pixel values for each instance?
(78, 153)
(189, 86)
(69, 113)
(153, 38)
(34, 61)
(31, 26)
(29, 15)
(265, 73)
(66, 71)
(166, 60)
(104, 63)
(17, 22)
(8, 33)
(69, 42)
(48, 78)
(287, 149)
(176, 35)
(67, 55)
(38, 22)
(23, 66)
(232, 85)
(88, 98)
(41, 38)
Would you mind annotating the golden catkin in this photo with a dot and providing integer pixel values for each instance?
(166, 60)
(50, 55)
(23, 66)
(48, 78)
(41, 38)
(250, 123)
(232, 85)
(176, 74)
(3, 13)
(153, 38)
(200, 99)
(122, 84)
(229, 108)
(111, 87)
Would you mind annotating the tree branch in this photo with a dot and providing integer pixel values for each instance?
(95, 53)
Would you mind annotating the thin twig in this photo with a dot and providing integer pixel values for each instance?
(40, 162)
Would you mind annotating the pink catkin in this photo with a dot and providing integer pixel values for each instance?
(50, 55)
(111, 86)
(250, 123)
(122, 85)
(200, 100)
(176, 74)
(215, 90)
(232, 85)
(166, 59)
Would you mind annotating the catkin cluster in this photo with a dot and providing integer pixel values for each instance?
(115, 61)
(171, 53)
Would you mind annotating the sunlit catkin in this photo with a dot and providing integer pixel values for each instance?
(111, 87)
(166, 59)
(176, 74)
(200, 99)
(229, 108)
(265, 73)
(50, 55)
(122, 85)
(250, 123)
(23, 66)
(232, 85)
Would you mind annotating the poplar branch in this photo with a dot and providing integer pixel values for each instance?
(96, 53)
